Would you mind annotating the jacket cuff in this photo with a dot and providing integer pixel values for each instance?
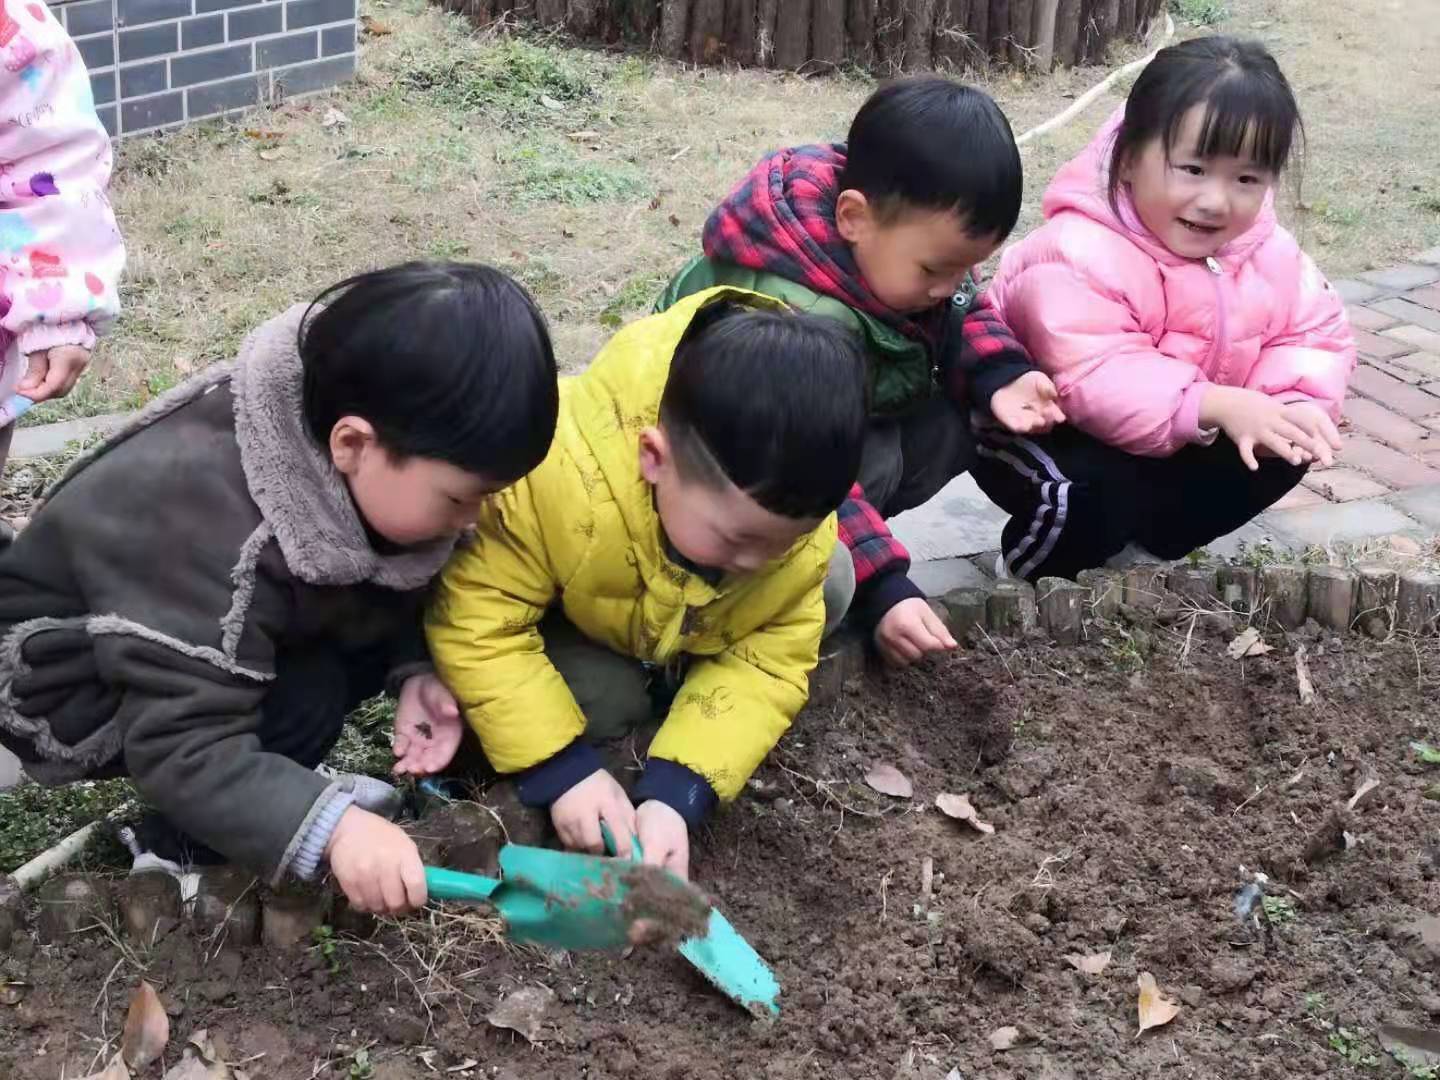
(38, 337)
(881, 593)
(315, 832)
(1187, 418)
(995, 374)
(679, 787)
(540, 785)
(403, 673)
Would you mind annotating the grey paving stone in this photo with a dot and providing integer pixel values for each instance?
(45, 439)
(1341, 522)
(958, 522)
(938, 576)
(1432, 256)
(1421, 503)
(1405, 276)
(9, 770)
(1357, 292)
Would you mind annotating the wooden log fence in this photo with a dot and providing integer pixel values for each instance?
(882, 36)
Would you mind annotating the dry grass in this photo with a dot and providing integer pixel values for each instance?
(595, 194)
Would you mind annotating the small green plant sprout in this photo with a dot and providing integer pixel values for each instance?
(1279, 910)
(1414, 1070)
(328, 946)
(1425, 753)
(360, 1066)
(1197, 558)
(1352, 1047)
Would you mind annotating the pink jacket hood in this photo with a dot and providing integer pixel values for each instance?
(1133, 333)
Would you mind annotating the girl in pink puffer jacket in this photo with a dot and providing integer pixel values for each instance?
(1200, 356)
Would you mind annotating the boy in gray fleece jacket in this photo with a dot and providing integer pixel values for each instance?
(205, 596)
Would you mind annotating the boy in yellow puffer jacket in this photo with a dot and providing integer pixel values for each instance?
(676, 539)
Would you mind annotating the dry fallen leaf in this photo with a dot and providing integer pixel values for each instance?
(959, 808)
(275, 153)
(889, 780)
(550, 103)
(116, 1070)
(1248, 643)
(523, 1011)
(147, 1028)
(374, 27)
(1154, 1008)
(1093, 964)
(334, 118)
(1004, 1038)
(1369, 785)
(464, 1066)
(1302, 677)
(581, 136)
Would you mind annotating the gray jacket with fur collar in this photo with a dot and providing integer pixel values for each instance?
(144, 607)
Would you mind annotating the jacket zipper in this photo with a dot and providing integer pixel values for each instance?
(1222, 345)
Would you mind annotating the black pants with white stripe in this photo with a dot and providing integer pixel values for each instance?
(1074, 501)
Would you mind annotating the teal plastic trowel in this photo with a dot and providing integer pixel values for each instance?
(565, 900)
(725, 958)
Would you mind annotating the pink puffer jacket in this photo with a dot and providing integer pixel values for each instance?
(1132, 333)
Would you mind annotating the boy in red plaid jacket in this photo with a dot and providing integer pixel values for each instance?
(882, 233)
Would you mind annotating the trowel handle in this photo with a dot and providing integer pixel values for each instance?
(453, 885)
(637, 853)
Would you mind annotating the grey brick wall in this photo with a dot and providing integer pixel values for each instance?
(159, 63)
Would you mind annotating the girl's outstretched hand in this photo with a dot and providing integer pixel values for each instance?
(1257, 423)
(428, 727)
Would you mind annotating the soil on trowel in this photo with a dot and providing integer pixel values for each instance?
(1137, 785)
(660, 908)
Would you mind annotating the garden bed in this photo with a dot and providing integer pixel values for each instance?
(1136, 783)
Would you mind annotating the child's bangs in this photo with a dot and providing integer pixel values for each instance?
(1245, 117)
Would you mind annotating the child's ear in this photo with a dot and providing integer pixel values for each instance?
(654, 453)
(349, 439)
(854, 216)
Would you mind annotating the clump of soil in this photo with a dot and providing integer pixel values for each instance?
(1130, 804)
(660, 909)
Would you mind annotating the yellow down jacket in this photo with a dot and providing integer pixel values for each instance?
(581, 531)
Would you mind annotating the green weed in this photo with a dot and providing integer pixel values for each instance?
(1279, 910)
(364, 745)
(360, 1066)
(554, 174)
(512, 81)
(328, 947)
(637, 294)
(1352, 1046)
(33, 818)
(1200, 12)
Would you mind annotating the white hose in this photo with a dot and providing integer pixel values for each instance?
(1086, 99)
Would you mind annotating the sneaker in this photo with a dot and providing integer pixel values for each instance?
(1132, 555)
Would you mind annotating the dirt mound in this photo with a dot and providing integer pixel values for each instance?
(1134, 795)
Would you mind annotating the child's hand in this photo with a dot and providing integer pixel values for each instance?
(375, 864)
(1316, 422)
(428, 727)
(1256, 422)
(53, 372)
(1028, 406)
(909, 631)
(664, 837)
(578, 813)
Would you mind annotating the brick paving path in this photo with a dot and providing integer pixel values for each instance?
(1392, 417)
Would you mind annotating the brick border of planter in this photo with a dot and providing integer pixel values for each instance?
(156, 65)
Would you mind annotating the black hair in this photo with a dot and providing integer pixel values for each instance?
(930, 143)
(773, 401)
(1249, 107)
(448, 361)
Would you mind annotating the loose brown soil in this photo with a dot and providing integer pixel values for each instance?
(1134, 792)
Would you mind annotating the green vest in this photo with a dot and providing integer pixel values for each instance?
(903, 373)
